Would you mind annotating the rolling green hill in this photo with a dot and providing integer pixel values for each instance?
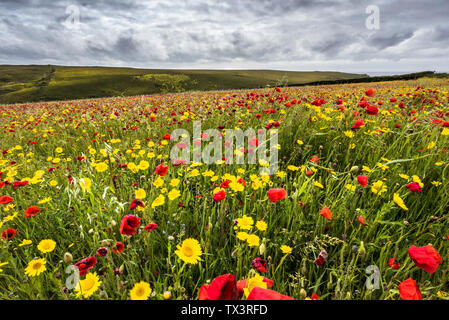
(46, 82)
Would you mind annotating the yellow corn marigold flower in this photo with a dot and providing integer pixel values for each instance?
(35, 267)
(256, 281)
(174, 182)
(159, 182)
(140, 291)
(245, 222)
(45, 200)
(85, 184)
(46, 246)
(286, 249)
(143, 165)
(159, 201)
(317, 184)
(350, 187)
(242, 236)
(261, 225)
(397, 199)
(236, 187)
(281, 174)
(253, 240)
(25, 242)
(101, 167)
(378, 187)
(173, 194)
(88, 286)
(189, 251)
(140, 194)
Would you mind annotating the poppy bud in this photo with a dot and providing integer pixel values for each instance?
(329, 284)
(113, 223)
(362, 250)
(122, 267)
(68, 258)
(262, 249)
(302, 293)
(355, 169)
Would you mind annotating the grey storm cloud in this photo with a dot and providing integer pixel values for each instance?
(268, 34)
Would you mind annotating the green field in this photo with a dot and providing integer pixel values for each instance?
(45, 83)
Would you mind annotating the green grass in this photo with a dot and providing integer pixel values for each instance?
(20, 84)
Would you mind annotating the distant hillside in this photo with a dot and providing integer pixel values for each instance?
(43, 83)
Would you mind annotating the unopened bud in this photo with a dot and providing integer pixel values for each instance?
(68, 258)
(166, 295)
(262, 249)
(362, 250)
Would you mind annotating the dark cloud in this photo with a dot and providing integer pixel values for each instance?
(288, 34)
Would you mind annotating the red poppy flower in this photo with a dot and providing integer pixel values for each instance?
(221, 288)
(166, 136)
(358, 124)
(258, 293)
(372, 110)
(118, 247)
(309, 173)
(17, 184)
(414, 187)
(370, 92)
(150, 227)
(276, 195)
(136, 203)
(315, 296)
(9, 233)
(321, 258)
(325, 212)
(363, 180)
(31, 211)
(409, 290)
(363, 221)
(426, 258)
(6, 200)
(315, 159)
(161, 170)
(220, 195)
(392, 263)
(259, 264)
(101, 252)
(85, 265)
(225, 184)
(129, 224)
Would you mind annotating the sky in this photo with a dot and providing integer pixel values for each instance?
(301, 35)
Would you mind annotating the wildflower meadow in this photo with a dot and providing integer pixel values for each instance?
(95, 203)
